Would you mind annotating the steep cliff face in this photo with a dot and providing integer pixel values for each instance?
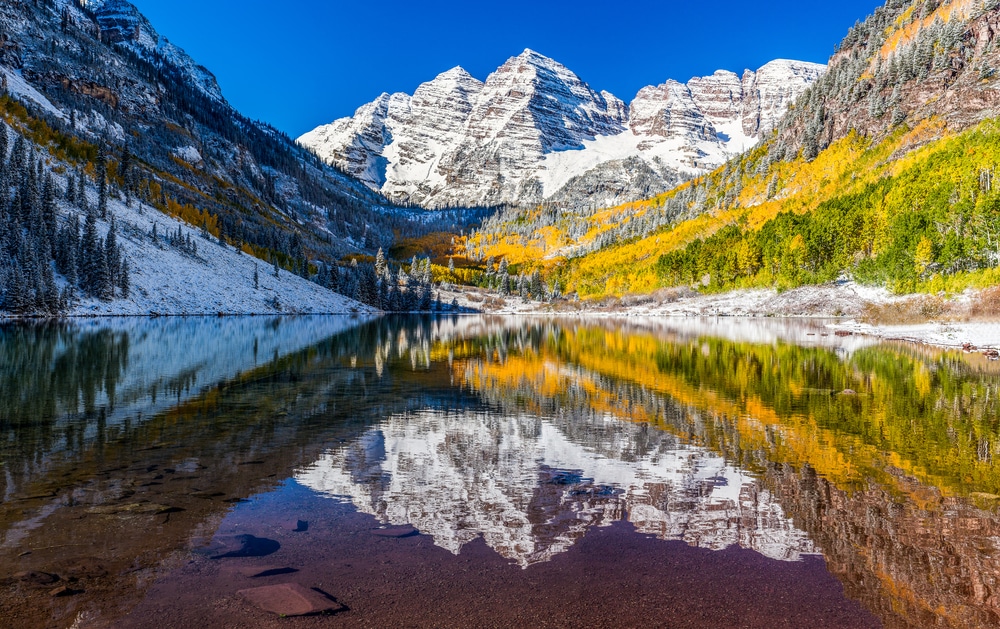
(534, 131)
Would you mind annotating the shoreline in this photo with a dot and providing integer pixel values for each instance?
(842, 304)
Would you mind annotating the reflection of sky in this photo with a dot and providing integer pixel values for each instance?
(530, 491)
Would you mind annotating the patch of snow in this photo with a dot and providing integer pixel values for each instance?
(96, 124)
(189, 154)
(23, 90)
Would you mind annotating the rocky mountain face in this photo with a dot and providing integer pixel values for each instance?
(119, 22)
(534, 131)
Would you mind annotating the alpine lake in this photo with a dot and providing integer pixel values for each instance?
(483, 471)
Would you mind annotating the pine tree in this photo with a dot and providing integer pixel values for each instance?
(81, 192)
(112, 254)
(380, 265)
(51, 291)
(256, 277)
(103, 288)
(17, 297)
(71, 189)
(49, 211)
(124, 281)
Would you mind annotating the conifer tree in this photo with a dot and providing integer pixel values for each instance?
(81, 192)
(112, 256)
(103, 289)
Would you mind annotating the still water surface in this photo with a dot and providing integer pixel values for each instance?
(495, 471)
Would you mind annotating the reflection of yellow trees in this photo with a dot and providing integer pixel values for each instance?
(927, 418)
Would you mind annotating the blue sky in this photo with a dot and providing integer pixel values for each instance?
(301, 63)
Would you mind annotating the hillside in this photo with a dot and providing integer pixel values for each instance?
(883, 170)
(106, 122)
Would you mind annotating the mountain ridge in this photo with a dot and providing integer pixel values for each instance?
(532, 126)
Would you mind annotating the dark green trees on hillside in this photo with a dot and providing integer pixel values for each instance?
(33, 244)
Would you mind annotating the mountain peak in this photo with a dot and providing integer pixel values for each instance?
(536, 60)
(458, 72)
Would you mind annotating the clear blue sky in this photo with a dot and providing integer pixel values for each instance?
(300, 63)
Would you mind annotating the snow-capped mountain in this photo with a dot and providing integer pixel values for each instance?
(531, 486)
(535, 131)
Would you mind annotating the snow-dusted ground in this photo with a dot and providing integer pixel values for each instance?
(168, 281)
(842, 302)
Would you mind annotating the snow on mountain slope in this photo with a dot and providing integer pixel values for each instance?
(17, 86)
(535, 131)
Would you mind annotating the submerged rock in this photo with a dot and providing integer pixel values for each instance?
(139, 508)
(242, 546)
(62, 590)
(290, 599)
(295, 526)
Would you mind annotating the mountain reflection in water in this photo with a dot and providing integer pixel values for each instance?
(531, 490)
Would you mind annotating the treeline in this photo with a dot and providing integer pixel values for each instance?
(529, 285)
(383, 285)
(33, 244)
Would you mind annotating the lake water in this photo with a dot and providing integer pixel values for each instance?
(494, 472)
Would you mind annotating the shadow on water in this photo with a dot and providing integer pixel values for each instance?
(125, 443)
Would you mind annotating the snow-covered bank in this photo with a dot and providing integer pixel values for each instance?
(171, 280)
(974, 336)
(832, 300)
(845, 302)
